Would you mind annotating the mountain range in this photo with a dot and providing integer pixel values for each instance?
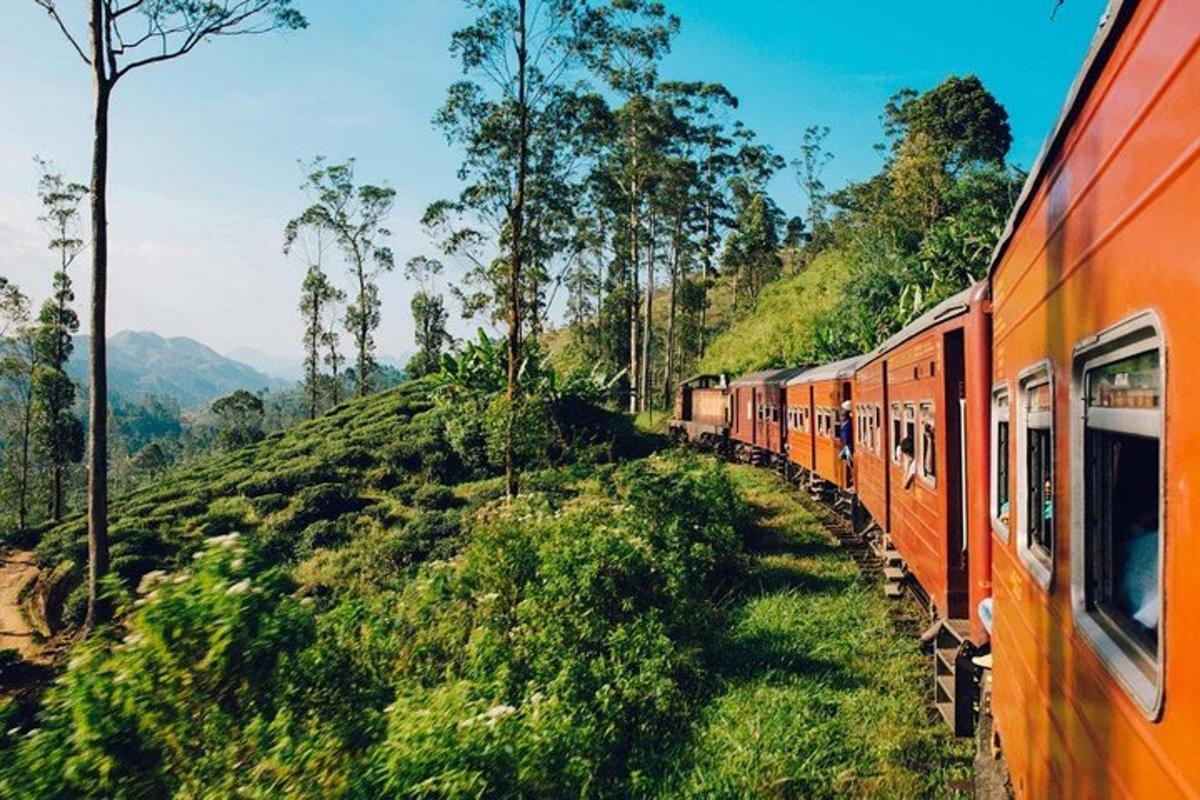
(142, 362)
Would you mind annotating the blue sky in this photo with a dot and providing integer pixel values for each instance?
(204, 161)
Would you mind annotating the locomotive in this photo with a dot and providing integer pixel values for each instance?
(1021, 454)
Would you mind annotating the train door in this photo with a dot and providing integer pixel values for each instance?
(956, 539)
(847, 467)
(889, 447)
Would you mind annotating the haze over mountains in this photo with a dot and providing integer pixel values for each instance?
(142, 362)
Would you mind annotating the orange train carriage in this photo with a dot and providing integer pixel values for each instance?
(1095, 342)
(921, 415)
(815, 398)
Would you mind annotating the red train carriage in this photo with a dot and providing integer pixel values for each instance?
(701, 410)
(824, 390)
(758, 414)
(871, 447)
(1095, 347)
(800, 427)
(921, 379)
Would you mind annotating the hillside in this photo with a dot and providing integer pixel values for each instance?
(345, 610)
(141, 362)
(781, 329)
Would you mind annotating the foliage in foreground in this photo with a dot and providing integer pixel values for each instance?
(374, 466)
(552, 656)
(816, 695)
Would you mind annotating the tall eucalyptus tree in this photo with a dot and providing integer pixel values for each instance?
(116, 38)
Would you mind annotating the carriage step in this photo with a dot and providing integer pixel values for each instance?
(893, 591)
(893, 573)
(893, 557)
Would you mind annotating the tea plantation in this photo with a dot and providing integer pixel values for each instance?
(348, 610)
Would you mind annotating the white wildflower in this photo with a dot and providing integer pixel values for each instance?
(499, 712)
(241, 587)
(228, 540)
(150, 580)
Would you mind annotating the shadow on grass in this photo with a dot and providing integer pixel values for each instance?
(767, 578)
(772, 654)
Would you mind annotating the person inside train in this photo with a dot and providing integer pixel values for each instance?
(906, 450)
(1139, 575)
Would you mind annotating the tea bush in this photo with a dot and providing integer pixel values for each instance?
(557, 652)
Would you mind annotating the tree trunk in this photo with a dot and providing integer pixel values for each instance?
(518, 253)
(364, 327)
(634, 299)
(669, 375)
(336, 383)
(648, 323)
(26, 427)
(314, 356)
(705, 265)
(98, 611)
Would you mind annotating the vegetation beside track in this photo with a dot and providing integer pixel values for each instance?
(816, 694)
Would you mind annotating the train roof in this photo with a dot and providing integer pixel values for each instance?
(1113, 21)
(947, 309)
(706, 379)
(827, 372)
(768, 376)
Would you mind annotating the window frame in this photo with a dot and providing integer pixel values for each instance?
(999, 528)
(910, 418)
(919, 452)
(1041, 568)
(1134, 335)
(896, 434)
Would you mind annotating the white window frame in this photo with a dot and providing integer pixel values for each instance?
(919, 451)
(998, 527)
(1137, 334)
(1039, 566)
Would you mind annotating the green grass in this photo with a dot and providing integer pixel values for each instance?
(780, 330)
(818, 695)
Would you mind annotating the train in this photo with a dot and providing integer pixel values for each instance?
(1020, 455)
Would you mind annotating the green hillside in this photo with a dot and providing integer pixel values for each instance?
(782, 327)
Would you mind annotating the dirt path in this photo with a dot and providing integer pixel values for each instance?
(17, 568)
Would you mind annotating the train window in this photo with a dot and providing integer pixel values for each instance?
(1117, 591)
(928, 442)
(1035, 472)
(875, 429)
(910, 426)
(896, 434)
(1000, 462)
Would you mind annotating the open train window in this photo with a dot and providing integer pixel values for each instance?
(928, 442)
(910, 425)
(876, 428)
(1117, 517)
(896, 434)
(1035, 471)
(1000, 503)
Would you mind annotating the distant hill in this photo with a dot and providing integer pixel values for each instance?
(141, 362)
(292, 368)
(277, 366)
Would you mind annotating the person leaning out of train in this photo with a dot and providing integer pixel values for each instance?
(846, 434)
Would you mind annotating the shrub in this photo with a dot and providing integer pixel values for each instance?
(433, 496)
